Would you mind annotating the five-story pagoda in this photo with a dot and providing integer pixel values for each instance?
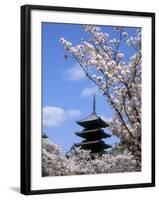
(93, 132)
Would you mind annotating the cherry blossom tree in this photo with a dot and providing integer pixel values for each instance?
(117, 76)
(79, 161)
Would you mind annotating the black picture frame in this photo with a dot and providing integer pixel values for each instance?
(26, 98)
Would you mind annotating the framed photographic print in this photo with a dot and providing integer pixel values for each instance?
(87, 99)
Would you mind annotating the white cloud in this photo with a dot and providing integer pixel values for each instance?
(75, 73)
(73, 113)
(89, 91)
(55, 116)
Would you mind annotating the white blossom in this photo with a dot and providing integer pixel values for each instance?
(99, 78)
(120, 55)
(114, 41)
(124, 34)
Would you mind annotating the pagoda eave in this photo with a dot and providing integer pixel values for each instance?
(92, 121)
(93, 124)
(91, 134)
(97, 143)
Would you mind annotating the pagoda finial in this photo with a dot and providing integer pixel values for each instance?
(94, 103)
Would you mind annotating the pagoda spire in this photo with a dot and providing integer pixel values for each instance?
(94, 103)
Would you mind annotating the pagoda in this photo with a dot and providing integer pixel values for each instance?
(44, 136)
(93, 132)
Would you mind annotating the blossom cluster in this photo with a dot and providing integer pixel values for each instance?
(79, 161)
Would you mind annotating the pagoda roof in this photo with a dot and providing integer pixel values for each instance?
(93, 134)
(93, 145)
(93, 121)
(44, 136)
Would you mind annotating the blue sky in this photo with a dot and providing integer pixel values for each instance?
(66, 93)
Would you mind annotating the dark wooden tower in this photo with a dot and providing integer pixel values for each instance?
(93, 132)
